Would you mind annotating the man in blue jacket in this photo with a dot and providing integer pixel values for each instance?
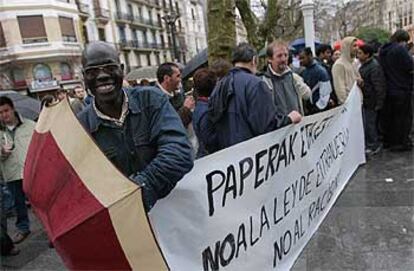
(137, 129)
(397, 114)
(241, 105)
(318, 80)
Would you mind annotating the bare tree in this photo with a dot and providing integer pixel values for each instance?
(282, 20)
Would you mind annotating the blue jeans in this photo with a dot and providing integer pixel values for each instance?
(16, 190)
(7, 199)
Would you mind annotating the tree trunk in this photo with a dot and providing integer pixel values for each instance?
(221, 29)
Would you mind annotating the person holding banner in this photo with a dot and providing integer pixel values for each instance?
(137, 129)
(241, 105)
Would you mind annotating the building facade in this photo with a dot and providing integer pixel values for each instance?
(146, 32)
(399, 14)
(40, 45)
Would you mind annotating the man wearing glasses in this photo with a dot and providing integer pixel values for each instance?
(138, 130)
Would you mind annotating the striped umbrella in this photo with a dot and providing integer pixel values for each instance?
(91, 212)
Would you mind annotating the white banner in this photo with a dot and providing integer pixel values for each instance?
(254, 206)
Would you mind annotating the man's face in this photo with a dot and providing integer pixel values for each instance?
(326, 55)
(354, 49)
(336, 55)
(304, 59)
(362, 56)
(61, 95)
(7, 114)
(279, 60)
(80, 93)
(173, 82)
(103, 74)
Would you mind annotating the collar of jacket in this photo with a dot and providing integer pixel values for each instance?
(96, 121)
(270, 72)
(237, 69)
(368, 61)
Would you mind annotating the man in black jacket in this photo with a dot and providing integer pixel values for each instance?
(397, 115)
(241, 105)
(374, 94)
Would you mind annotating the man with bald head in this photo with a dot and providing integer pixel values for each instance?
(138, 130)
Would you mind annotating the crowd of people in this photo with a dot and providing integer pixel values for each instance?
(145, 131)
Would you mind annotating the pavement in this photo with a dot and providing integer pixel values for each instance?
(370, 227)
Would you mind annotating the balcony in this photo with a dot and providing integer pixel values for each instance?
(123, 17)
(83, 9)
(138, 45)
(145, 22)
(102, 15)
(34, 40)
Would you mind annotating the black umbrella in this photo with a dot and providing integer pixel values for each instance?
(196, 62)
(24, 105)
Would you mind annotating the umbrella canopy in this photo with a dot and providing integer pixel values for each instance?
(299, 44)
(92, 213)
(149, 73)
(198, 61)
(24, 105)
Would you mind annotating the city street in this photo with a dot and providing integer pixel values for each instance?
(371, 226)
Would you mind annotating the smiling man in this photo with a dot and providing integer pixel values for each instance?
(138, 130)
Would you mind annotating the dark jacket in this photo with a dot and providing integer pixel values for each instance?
(151, 147)
(200, 123)
(398, 68)
(312, 75)
(240, 107)
(374, 86)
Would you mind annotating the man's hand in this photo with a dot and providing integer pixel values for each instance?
(295, 116)
(189, 102)
(360, 82)
(5, 152)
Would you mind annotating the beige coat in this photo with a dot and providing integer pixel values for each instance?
(11, 167)
(344, 73)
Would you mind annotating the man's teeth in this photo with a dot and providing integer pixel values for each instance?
(105, 87)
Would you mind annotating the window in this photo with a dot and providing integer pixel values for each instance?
(148, 60)
(101, 34)
(127, 65)
(19, 79)
(42, 72)
(157, 58)
(85, 34)
(67, 29)
(122, 35)
(192, 14)
(2, 39)
(130, 11)
(65, 71)
(177, 8)
(138, 59)
(162, 40)
(159, 20)
(32, 29)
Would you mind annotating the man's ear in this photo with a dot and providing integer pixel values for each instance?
(122, 67)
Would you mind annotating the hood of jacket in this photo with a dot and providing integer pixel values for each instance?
(346, 48)
(219, 101)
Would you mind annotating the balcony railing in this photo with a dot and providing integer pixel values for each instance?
(145, 21)
(102, 14)
(69, 38)
(124, 16)
(34, 40)
(135, 44)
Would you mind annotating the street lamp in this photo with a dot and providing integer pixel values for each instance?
(307, 8)
(170, 20)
